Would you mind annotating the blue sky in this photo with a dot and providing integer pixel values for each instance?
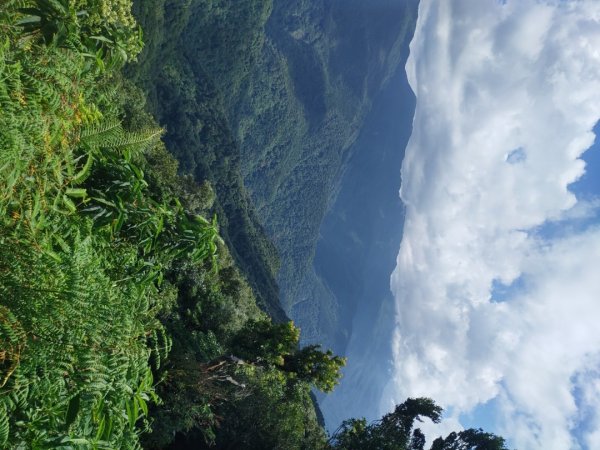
(588, 186)
(496, 281)
(587, 191)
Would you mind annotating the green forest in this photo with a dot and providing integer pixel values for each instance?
(264, 99)
(139, 305)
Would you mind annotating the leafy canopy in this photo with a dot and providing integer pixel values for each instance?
(395, 431)
(266, 343)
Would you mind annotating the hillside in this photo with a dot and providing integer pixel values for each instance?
(185, 100)
(303, 106)
(361, 232)
(124, 319)
(282, 88)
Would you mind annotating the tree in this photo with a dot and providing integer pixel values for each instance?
(265, 343)
(470, 439)
(272, 415)
(394, 431)
(310, 364)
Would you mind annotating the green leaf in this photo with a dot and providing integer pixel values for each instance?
(29, 20)
(69, 204)
(4, 425)
(101, 38)
(130, 416)
(142, 404)
(82, 175)
(108, 429)
(101, 427)
(76, 192)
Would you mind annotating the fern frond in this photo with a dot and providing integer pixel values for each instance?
(4, 425)
(41, 92)
(102, 135)
(85, 171)
(139, 141)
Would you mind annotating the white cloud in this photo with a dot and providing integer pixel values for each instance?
(490, 79)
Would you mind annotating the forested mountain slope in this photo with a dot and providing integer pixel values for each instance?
(124, 321)
(356, 254)
(266, 97)
(304, 104)
(187, 102)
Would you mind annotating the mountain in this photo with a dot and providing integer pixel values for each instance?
(296, 117)
(266, 100)
(186, 100)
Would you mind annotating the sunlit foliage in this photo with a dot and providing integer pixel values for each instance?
(84, 245)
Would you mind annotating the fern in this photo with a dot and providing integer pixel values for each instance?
(160, 345)
(40, 92)
(111, 135)
(134, 143)
(104, 358)
(84, 247)
(4, 425)
(104, 135)
(85, 171)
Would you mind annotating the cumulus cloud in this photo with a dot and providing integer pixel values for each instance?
(507, 96)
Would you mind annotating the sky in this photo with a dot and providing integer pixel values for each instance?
(497, 283)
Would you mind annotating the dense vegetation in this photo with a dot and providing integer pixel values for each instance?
(186, 102)
(124, 319)
(82, 263)
(268, 96)
(395, 431)
(111, 277)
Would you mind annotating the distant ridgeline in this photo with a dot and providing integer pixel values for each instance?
(264, 99)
